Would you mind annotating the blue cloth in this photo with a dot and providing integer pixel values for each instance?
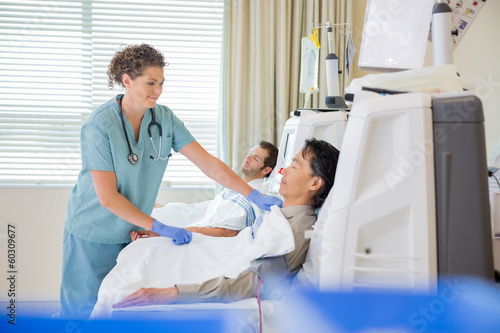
(241, 201)
(256, 225)
(84, 266)
(104, 148)
(461, 304)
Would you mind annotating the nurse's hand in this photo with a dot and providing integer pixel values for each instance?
(135, 235)
(263, 201)
(179, 235)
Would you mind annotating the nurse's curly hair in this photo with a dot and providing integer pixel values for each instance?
(323, 159)
(133, 60)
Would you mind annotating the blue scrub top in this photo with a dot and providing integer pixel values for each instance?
(104, 148)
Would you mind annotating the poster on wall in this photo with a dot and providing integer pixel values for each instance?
(463, 13)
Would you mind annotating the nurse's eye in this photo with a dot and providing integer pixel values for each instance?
(151, 83)
(161, 84)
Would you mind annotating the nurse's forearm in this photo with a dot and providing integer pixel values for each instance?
(225, 176)
(110, 198)
(215, 168)
(123, 208)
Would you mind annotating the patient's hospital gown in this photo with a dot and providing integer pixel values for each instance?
(229, 210)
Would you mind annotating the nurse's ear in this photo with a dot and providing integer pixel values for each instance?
(126, 80)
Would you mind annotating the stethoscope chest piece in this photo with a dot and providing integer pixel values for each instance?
(132, 158)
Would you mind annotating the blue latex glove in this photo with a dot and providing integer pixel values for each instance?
(179, 235)
(264, 202)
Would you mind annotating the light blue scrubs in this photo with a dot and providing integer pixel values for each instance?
(88, 225)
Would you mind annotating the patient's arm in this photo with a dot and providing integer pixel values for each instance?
(214, 232)
(219, 289)
(147, 296)
(135, 235)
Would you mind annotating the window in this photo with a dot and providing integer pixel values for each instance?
(54, 56)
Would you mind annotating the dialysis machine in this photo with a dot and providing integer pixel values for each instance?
(410, 200)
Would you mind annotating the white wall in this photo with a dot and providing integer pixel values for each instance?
(38, 214)
(476, 58)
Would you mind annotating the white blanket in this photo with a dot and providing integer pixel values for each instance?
(229, 210)
(157, 262)
(274, 237)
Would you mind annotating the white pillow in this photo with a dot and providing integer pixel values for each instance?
(308, 275)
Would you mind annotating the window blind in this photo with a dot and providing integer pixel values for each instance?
(53, 61)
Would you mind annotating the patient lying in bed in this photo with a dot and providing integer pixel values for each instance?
(217, 269)
(229, 212)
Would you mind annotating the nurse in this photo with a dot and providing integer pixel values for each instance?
(126, 144)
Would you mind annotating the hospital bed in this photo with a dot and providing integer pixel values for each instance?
(324, 124)
(410, 200)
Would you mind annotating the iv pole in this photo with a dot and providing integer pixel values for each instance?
(333, 100)
(442, 41)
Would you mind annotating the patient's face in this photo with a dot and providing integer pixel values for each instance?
(254, 162)
(295, 186)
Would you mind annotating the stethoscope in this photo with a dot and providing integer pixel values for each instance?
(132, 157)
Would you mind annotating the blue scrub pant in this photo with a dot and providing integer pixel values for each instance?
(84, 266)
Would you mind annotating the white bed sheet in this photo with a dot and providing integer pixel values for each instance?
(242, 316)
(157, 263)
